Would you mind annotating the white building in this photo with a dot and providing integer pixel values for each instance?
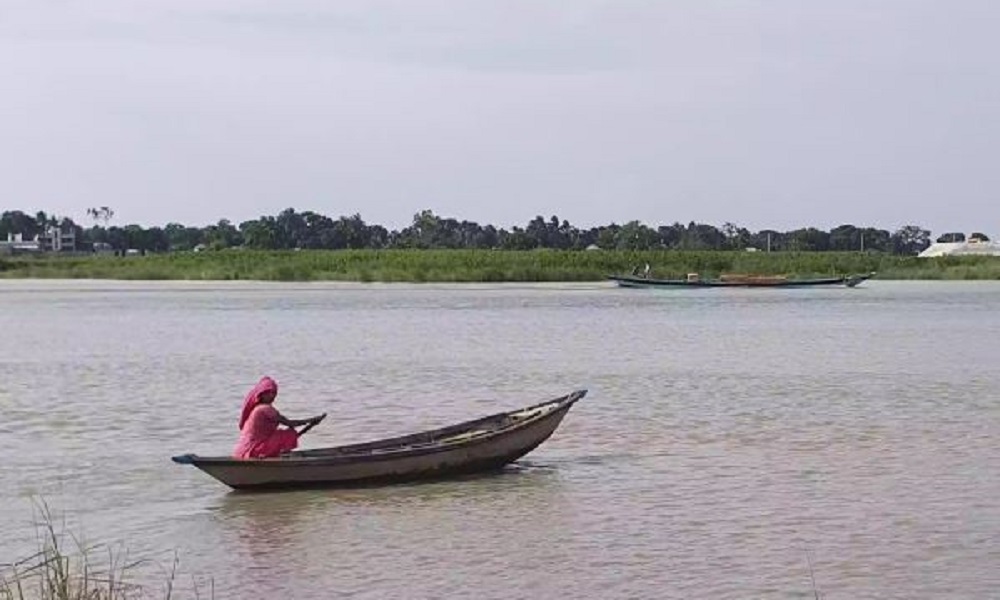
(976, 245)
(52, 239)
(16, 244)
(55, 239)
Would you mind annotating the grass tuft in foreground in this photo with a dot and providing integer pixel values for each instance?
(64, 568)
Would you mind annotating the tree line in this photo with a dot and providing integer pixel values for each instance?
(309, 230)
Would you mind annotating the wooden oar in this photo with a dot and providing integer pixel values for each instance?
(315, 422)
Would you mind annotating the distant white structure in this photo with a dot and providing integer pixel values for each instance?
(956, 245)
(103, 248)
(54, 239)
(16, 244)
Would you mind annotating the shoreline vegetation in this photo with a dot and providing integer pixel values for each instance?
(486, 266)
(65, 568)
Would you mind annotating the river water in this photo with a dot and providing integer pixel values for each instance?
(730, 437)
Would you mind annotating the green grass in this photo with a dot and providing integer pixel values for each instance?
(486, 265)
(64, 568)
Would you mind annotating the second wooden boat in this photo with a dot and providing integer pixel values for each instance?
(739, 281)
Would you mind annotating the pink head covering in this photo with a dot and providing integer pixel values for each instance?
(266, 384)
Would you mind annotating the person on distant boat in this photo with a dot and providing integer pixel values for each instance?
(260, 436)
(645, 271)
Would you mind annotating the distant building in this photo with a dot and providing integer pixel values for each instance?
(55, 239)
(956, 244)
(16, 244)
(103, 248)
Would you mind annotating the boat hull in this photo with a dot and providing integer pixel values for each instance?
(464, 450)
(851, 281)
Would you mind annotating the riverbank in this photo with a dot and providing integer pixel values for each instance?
(64, 568)
(458, 266)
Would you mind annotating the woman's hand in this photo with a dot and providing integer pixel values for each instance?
(293, 423)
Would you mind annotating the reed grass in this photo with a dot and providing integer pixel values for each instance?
(487, 265)
(64, 568)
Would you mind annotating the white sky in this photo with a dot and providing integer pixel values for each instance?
(766, 113)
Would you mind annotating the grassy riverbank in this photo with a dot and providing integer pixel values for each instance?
(485, 265)
(64, 568)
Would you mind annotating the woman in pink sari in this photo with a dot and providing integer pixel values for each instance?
(260, 436)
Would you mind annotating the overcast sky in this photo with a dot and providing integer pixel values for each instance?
(766, 113)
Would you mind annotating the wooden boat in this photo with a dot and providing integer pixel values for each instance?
(483, 444)
(740, 281)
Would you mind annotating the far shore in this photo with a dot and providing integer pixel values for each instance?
(485, 266)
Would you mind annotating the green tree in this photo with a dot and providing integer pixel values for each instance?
(607, 236)
(910, 240)
(736, 238)
(636, 236)
(182, 238)
(261, 234)
(221, 235)
(353, 231)
(875, 240)
(699, 236)
(845, 238)
(290, 229)
(671, 236)
(155, 240)
(808, 239)
(18, 222)
(118, 238)
(424, 232)
(517, 239)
